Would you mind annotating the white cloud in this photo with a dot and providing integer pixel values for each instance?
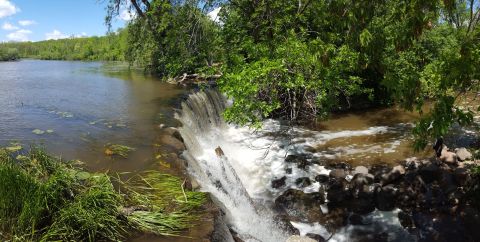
(19, 35)
(7, 8)
(55, 34)
(26, 22)
(127, 15)
(81, 35)
(9, 26)
(214, 14)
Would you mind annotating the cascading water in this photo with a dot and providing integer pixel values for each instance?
(241, 180)
(203, 131)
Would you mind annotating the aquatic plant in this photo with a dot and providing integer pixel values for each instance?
(118, 150)
(43, 198)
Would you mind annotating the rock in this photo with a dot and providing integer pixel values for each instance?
(279, 182)
(448, 157)
(288, 170)
(405, 220)
(463, 154)
(385, 198)
(438, 146)
(360, 180)
(298, 238)
(393, 175)
(355, 219)
(360, 170)
(303, 182)
(219, 152)
(461, 175)
(300, 160)
(339, 174)
(172, 142)
(430, 173)
(297, 200)
(378, 171)
(173, 132)
(321, 178)
(336, 192)
(315, 237)
(413, 163)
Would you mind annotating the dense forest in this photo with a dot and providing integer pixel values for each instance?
(300, 61)
(109, 48)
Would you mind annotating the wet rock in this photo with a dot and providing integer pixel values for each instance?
(303, 182)
(393, 175)
(405, 220)
(337, 165)
(173, 132)
(338, 174)
(463, 154)
(355, 219)
(360, 180)
(279, 182)
(288, 170)
(315, 237)
(385, 198)
(172, 142)
(297, 200)
(378, 171)
(321, 178)
(430, 173)
(336, 192)
(360, 170)
(300, 160)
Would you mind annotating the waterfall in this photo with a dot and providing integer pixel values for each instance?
(223, 176)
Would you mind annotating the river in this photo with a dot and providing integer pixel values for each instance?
(84, 106)
(75, 109)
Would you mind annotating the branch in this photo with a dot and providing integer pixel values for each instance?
(137, 8)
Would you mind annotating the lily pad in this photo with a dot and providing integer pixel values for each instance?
(21, 158)
(49, 131)
(38, 131)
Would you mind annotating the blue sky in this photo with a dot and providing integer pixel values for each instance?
(35, 20)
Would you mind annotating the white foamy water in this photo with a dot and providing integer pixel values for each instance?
(241, 181)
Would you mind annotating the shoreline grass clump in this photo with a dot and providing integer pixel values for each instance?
(43, 198)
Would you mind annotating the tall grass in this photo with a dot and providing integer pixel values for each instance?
(45, 199)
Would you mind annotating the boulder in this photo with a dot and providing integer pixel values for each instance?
(297, 200)
(303, 182)
(300, 160)
(360, 170)
(338, 174)
(277, 183)
(430, 173)
(378, 171)
(393, 175)
(288, 170)
(336, 192)
(448, 157)
(321, 178)
(463, 154)
(173, 132)
(461, 175)
(173, 143)
(385, 198)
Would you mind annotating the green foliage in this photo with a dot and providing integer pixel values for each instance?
(45, 199)
(8, 53)
(173, 38)
(108, 48)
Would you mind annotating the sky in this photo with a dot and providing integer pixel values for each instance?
(36, 20)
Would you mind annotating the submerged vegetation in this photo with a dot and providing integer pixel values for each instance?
(118, 150)
(43, 198)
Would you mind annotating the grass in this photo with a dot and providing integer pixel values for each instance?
(43, 198)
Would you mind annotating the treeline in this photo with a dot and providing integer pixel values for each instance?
(301, 60)
(109, 48)
(8, 54)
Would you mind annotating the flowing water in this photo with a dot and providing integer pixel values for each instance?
(241, 180)
(84, 106)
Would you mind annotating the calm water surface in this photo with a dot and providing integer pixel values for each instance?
(87, 105)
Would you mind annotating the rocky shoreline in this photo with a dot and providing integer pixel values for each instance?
(432, 195)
